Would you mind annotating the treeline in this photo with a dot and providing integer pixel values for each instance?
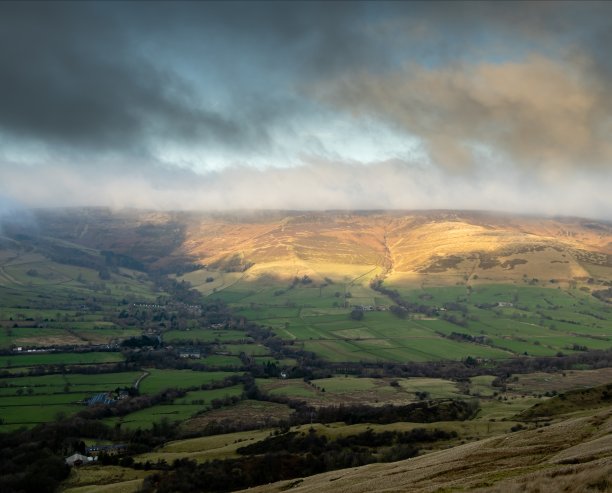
(296, 442)
(458, 370)
(604, 295)
(81, 369)
(403, 307)
(29, 465)
(235, 474)
(417, 412)
(288, 456)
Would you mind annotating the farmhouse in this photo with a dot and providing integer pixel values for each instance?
(78, 460)
(190, 353)
(116, 449)
(105, 398)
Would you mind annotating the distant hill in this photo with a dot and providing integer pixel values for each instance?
(439, 246)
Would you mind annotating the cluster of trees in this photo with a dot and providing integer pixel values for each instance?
(314, 443)
(288, 456)
(453, 319)
(418, 412)
(457, 370)
(29, 466)
(603, 295)
(462, 337)
(405, 307)
(34, 460)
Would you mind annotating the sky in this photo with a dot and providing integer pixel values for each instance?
(503, 106)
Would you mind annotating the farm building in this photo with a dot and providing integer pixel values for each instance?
(106, 398)
(190, 353)
(116, 449)
(78, 460)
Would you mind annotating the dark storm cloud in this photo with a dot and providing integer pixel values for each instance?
(78, 74)
(72, 75)
(124, 77)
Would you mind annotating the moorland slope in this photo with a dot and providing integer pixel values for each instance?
(439, 246)
(571, 456)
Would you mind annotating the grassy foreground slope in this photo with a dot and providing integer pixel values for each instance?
(573, 456)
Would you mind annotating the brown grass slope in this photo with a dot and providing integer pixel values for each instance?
(401, 244)
(572, 401)
(571, 456)
(404, 244)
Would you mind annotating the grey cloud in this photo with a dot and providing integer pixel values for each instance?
(537, 112)
(109, 75)
(72, 76)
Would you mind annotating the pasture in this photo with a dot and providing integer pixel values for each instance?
(84, 358)
(205, 448)
(487, 321)
(159, 380)
(108, 479)
(180, 410)
(261, 414)
(204, 335)
(45, 303)
(354, 390)
(27, 401)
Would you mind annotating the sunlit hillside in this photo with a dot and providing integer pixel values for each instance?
(425, 247)
(437, 247)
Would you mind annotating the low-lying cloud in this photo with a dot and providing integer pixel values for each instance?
(316, 185)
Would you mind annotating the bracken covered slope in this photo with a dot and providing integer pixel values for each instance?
(402, 245)
(445, 246)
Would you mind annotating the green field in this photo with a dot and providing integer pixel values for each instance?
(354, 390)
(204, 335)
(159, 380)
(205, 448)
(180, 410)
(221, 360)
(108, 479)
(27, 401)
(532, 321)
(44, 303)
(90, 358)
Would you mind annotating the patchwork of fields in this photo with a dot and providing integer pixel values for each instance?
(484, 321)
(52, 307)
(29, 400)
(328, 308)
